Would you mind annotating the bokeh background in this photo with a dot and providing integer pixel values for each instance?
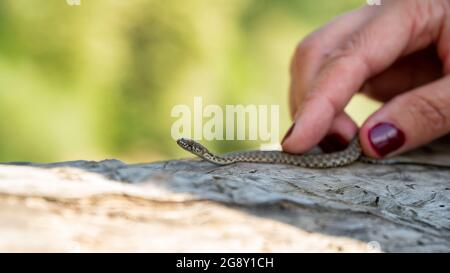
(99, 80)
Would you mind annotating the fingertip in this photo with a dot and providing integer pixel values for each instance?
(333, 142)
(340, 134)
(381, 139)
(366, 146)
(298, 139)
(345, 126)
(311, 125)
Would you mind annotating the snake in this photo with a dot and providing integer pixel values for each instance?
(351, 154)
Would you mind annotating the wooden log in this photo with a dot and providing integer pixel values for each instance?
(191, 205)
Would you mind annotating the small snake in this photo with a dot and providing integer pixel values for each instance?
(330, 160)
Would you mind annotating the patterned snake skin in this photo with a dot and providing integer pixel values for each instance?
(351, 154)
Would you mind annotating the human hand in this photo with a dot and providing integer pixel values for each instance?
(397, 53)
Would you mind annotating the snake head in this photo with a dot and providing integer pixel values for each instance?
(192, 146)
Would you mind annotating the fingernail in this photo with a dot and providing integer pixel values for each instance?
(333, 143)
(288, 133)
(386, 138)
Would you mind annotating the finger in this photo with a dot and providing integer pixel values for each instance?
(342, 131)
(311, 53)
(408, 121)
(367, 53)
(408, 73)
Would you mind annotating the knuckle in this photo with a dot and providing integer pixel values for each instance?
(329, 102)
(352, 52)
(354, 45)
(356, 42)
(307, 50)
(425, 9)
(426, 113)
(333, 105)
(425, 15)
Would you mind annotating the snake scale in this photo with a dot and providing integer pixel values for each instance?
(351, 154)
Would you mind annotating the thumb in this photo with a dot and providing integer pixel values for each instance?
(408, 121)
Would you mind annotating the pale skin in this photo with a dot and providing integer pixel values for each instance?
(397, 53)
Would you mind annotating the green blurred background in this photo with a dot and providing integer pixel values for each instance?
(99, 80)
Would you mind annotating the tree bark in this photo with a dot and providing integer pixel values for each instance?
(191, 205)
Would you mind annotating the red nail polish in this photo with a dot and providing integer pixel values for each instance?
(333, 143)
(288, 133)
(386, 138)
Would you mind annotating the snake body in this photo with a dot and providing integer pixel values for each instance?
(330, 160)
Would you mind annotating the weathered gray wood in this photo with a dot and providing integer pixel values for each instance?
(191, 205)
